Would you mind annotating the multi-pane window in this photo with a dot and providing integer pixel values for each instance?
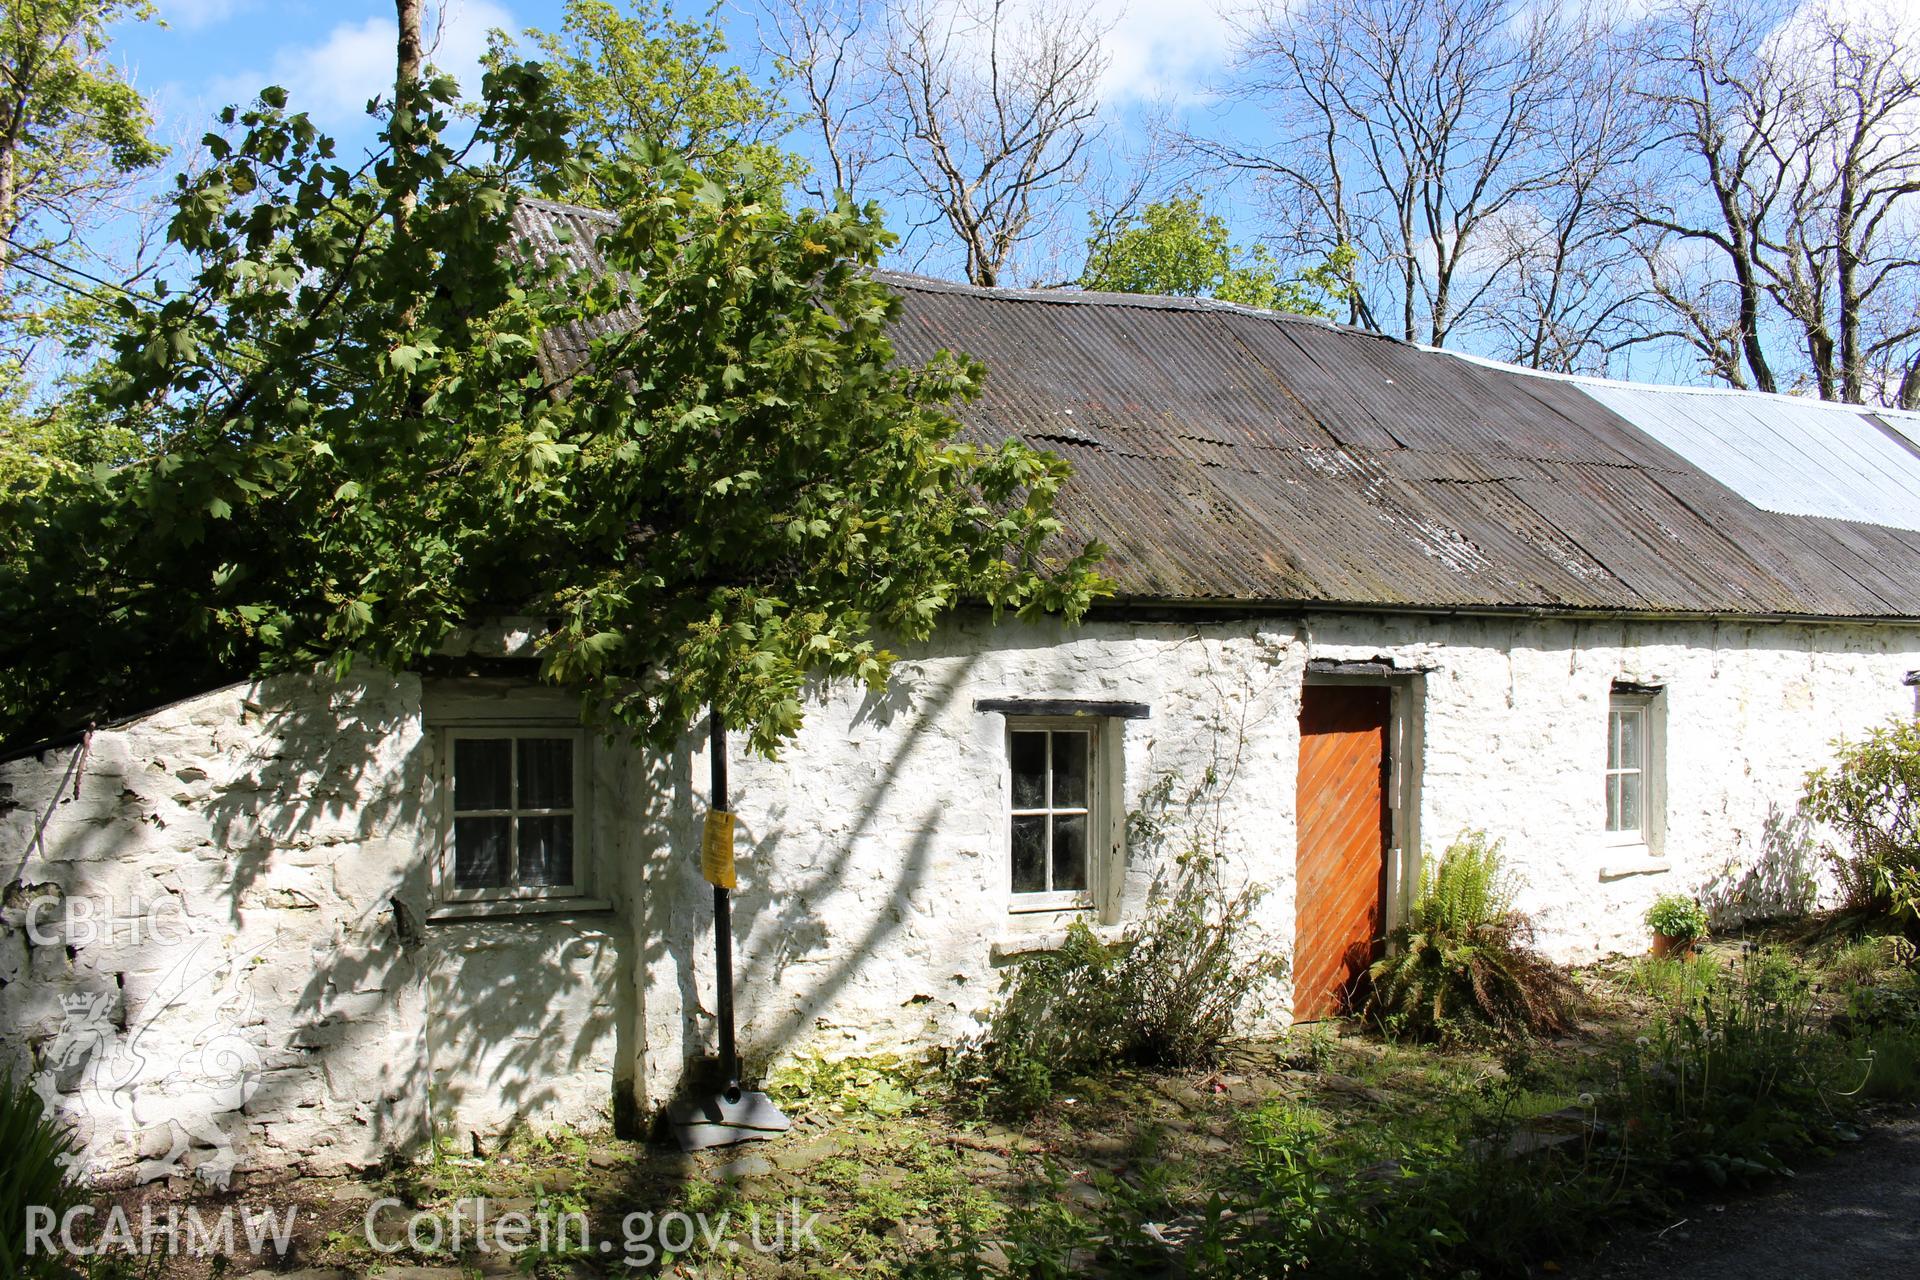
(1629, 756)
(513, 814)
(1052, 813)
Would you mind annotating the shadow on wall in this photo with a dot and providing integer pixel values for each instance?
(1783, 881)
(270, 990)
(240, 961)
(798, 949)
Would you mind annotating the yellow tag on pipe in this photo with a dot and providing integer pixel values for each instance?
(716, 849)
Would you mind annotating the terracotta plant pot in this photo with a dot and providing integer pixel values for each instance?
(1666, 945)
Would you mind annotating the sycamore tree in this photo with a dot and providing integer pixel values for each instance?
(641, 78)
(1176, 248)
(74, 145)
(732, 487)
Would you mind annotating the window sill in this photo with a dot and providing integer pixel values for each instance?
(1027, 942)
(514, 908)
(1050, 904)
(1633, 862)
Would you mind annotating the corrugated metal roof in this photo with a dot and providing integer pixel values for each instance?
(1783, 453)
(1230, 455)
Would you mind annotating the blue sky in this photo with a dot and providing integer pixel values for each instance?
(1166, 58)
(333, 56)
(330, 56)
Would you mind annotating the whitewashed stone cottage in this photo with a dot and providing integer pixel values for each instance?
(1370, 596)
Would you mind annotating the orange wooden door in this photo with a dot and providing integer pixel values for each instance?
(1341, 805)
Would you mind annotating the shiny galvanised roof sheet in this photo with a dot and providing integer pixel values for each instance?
(1785, 453)
(1231, 456)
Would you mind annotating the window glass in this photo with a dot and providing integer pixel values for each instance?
(1628, 752)
(546, 773)
(1029, 751)
(546, 851)
(482, 774)
(1030, 853)
(481, 852)
(1070, 852)
(1051, 790)
(513, 820)
(1069, 771)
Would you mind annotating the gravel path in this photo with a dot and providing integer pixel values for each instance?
(1857, 1214)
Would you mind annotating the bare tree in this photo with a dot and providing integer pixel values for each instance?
(1423, 133)
(1713, 180)
(1571, 293)
(1850, 245)
(980, 116)
(823, 51)
(1779, 216)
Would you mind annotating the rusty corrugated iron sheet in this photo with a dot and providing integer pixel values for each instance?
(1228, 456)
(1231, 455)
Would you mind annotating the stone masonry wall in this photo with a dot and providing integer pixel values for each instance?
(235, 963)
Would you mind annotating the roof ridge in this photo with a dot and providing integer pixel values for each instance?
(1667, 388)
(1071, 296)
(562, 206)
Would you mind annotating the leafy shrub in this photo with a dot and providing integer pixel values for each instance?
(1871, 796)
(1464, 965)
(1194, 974)
(1173, 990)
(30, 1174)
(1677, 916)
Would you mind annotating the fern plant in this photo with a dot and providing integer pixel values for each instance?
(31, 1176)
(1464, 966)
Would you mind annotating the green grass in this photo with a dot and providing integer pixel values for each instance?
(1673, 980)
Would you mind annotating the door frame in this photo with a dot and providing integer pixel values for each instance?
(1406, 723)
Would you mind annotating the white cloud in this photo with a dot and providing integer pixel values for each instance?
(334, 79)
(1164, 49)
(1156, 50)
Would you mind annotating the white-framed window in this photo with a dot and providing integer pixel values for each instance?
(1633, 775)
(514, 813)
(1055, 835)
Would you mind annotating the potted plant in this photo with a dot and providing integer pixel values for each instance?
(1678, 923)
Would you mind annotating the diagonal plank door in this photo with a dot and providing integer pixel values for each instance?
(1341, 804)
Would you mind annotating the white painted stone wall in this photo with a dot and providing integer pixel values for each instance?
(226, 977)
(298, 1006)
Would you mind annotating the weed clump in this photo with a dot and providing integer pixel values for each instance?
(1170, 993)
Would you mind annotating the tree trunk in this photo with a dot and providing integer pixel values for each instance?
(9, 197)
(407, 68)
(406, 81)
(1909, 397)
